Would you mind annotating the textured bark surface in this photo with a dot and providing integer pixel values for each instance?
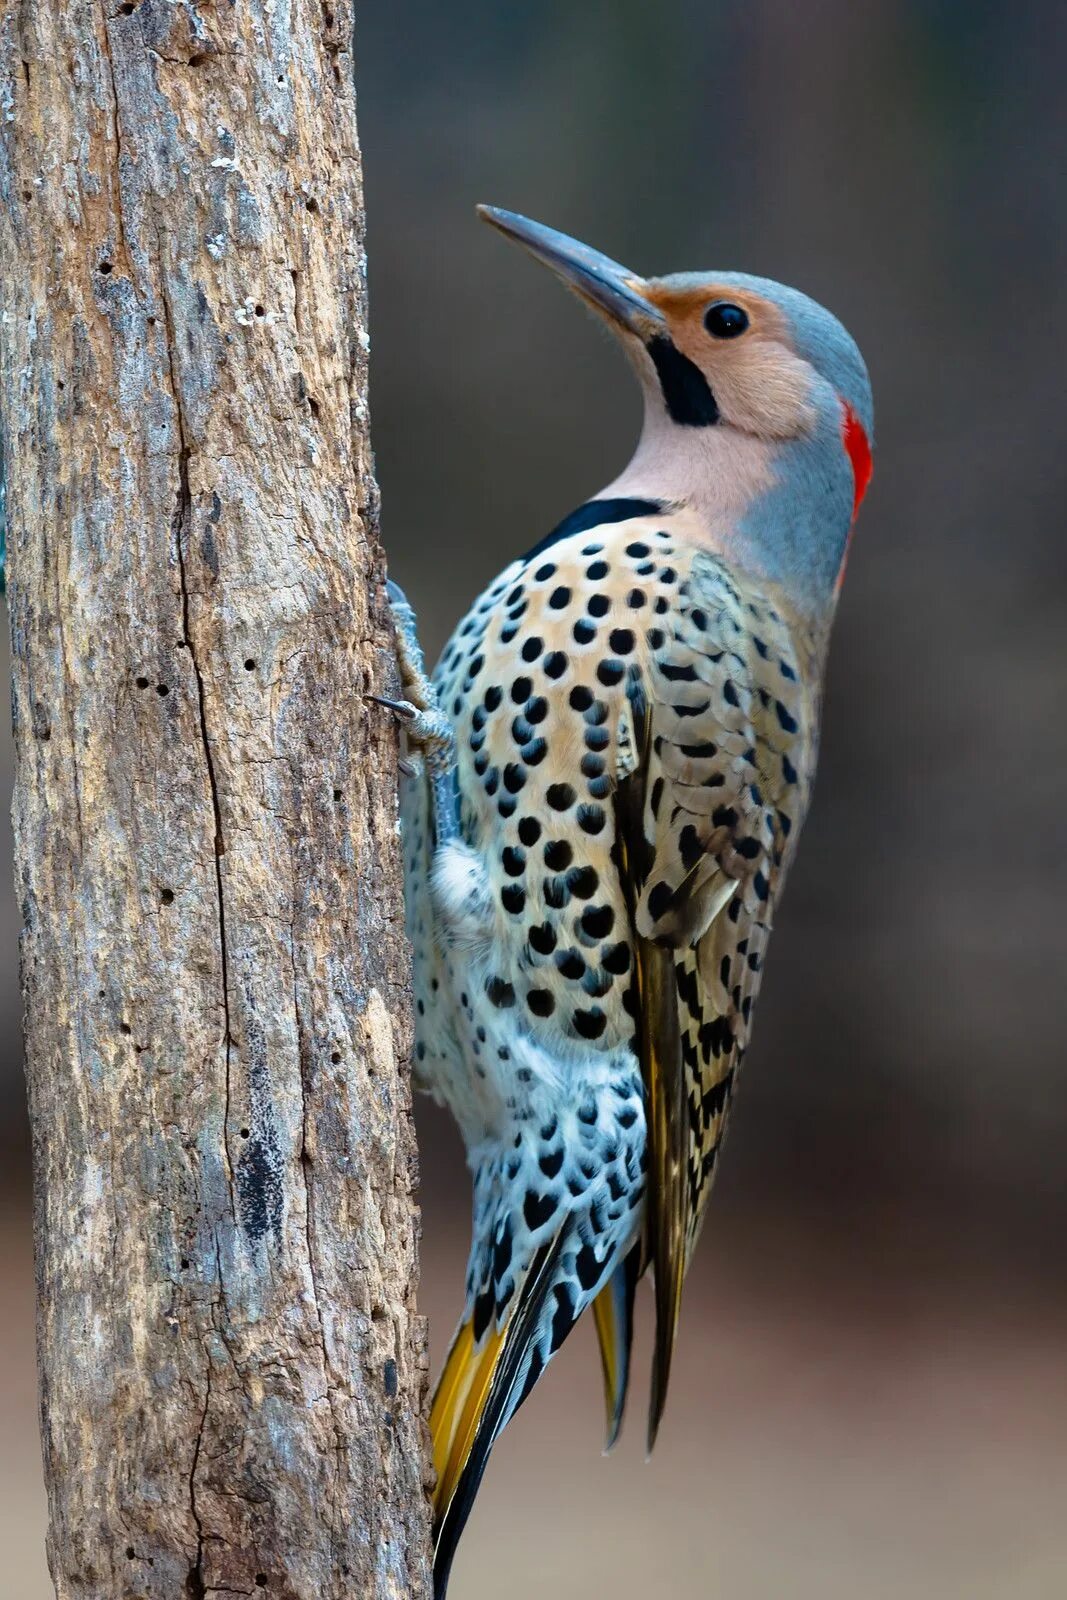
(232, 1369)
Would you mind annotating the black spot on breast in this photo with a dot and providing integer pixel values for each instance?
(558, 855)
(597, 921)
(610, 672)
(552, 1164)
(555, 664)
(583, 631)
(598, 605)
(583, 882)
(502, 1252)
(560, 796)
(521, 690)
(500, 993)
(556, 893)
(563, 1318)
(587, 1267)
(559, 598)
(542, 938)
(570, 964)
(597, 570)
(537, 1209)
(590, 1024)
(621, 641)
(591, 818)
(541, 1004)
(514, 778)
(580, 698)
(513, 898)
(529, 830)
(532, 648)
(514, 861)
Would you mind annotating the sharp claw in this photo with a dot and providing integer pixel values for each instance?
(408, 768)
(402, 709)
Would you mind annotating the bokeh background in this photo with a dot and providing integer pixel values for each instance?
(871, 1390)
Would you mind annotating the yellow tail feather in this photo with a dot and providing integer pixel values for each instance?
(458, 1405)
(607, 1333)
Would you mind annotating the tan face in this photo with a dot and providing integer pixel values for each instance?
(760, 384)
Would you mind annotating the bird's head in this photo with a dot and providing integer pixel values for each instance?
(758, 409)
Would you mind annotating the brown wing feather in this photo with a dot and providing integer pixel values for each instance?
(704, 824)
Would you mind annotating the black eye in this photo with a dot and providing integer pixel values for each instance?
(724, 320)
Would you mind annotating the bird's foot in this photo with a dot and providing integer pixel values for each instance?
(426, 728)
(428, 733)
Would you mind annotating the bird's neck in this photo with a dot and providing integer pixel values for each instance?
(780, 510)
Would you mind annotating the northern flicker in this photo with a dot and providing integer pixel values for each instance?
(613, 760)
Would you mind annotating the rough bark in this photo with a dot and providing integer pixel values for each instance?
(232, 1370)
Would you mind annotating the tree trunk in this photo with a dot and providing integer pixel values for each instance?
(232, 1370)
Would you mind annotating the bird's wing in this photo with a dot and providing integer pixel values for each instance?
(724, 735)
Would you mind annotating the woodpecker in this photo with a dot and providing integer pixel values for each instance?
(608, 773)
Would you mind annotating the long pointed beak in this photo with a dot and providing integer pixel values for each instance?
(599, 280)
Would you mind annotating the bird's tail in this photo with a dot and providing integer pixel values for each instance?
(613, 1313)
(480, 1390)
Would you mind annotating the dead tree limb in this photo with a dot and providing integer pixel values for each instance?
(232, 1370)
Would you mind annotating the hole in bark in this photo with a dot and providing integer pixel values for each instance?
(142, 683)
(61, 384)
(311, 203)
(166, 897)
(127, 10)
(104, 268)
(185, 1263)
(261, 1580)
(337, 794)
(314, 404)
(198, 60)
(260, 311)
(124, 1027)
(162, 688)
(194, 1584)
(244, 1133)
(336, 1058)
(27, 194)
(150, 322)
(130, 1552)
(250, 665)
(327, 16)
(46, 733)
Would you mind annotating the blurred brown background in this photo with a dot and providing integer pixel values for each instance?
(871, 1395)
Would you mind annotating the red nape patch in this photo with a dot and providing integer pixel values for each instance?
(859, 453)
